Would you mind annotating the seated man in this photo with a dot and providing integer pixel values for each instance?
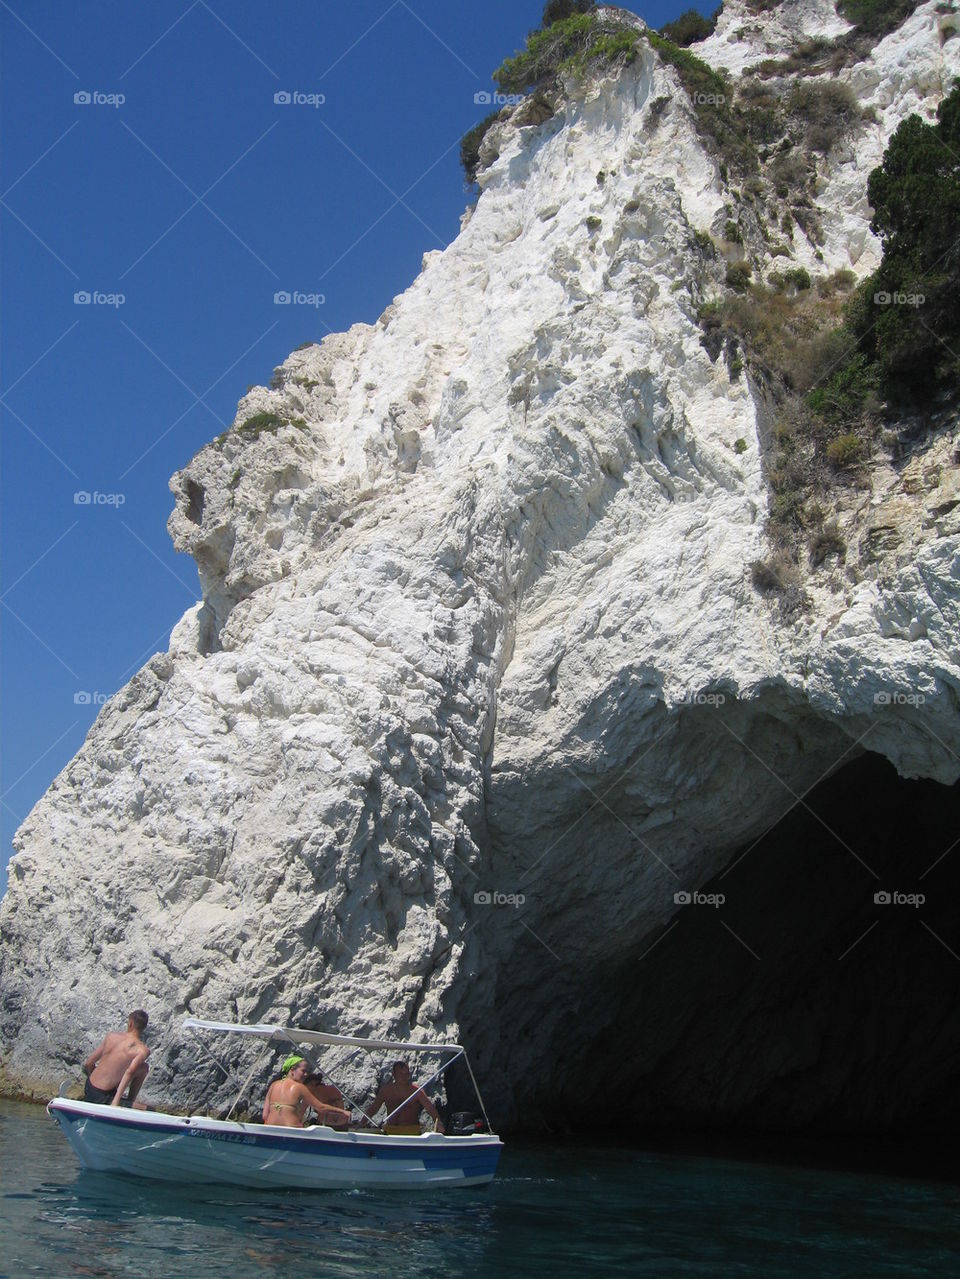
(118, 1064)
(403, 1101)
(326, 1092)
(289, 1098)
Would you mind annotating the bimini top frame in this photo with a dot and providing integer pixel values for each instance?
(297, 1036)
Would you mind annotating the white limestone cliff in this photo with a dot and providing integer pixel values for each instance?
(477, 619)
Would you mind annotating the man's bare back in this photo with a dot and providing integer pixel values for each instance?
(118, 1066)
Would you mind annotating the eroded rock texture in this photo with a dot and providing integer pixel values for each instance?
(478, 624)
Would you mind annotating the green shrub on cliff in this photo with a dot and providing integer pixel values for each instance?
(546, 50)
(844, 451)
(712, 101)
(570, 39)
(690, 27)
(470, 145)
(568, 45)
(557, 10)
(912, 327)
(905, 318)
(876, 17)
(255, 426)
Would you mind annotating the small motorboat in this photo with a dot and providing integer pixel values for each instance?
(196, 1149)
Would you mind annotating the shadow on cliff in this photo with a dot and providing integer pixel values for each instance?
(817, 992)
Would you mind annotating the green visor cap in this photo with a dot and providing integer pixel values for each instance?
(290, 1062)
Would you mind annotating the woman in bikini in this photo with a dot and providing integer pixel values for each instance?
(288, 1099)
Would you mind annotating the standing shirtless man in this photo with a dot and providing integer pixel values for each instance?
(120, 1063)
(403, 1101)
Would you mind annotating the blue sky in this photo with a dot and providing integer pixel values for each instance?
(184, 189)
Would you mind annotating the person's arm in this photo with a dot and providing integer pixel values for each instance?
(136, 1083)
(431, 1110)
(375, 1105)
(138, 1063)
(266, 1105)
(323, 1108)
(94, 1057)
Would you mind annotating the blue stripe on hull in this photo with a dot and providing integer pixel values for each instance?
(239, 1154)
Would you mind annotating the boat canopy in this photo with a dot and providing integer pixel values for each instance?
(296, 1035)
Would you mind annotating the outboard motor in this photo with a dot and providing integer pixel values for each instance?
(463, 1124)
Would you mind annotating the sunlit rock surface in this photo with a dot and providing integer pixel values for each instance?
(479, 682)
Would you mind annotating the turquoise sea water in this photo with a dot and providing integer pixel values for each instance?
(554, 1210)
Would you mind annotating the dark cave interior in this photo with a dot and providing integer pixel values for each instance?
(803, 1003)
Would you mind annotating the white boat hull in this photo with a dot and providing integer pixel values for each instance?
(198, 1150)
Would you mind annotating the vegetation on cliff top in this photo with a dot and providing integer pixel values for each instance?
(573, 35)
(876, 17)
(571, 38)
(840, 362)
(908, 318)
(834, 358)
(900, 336)
(690, 27)
(570, 44)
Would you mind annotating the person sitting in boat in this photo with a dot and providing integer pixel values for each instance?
(403, 1101)
(116, 1069)
(329, 1093)
(289, 1097)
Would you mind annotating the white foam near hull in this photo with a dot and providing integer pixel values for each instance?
(194, 1150)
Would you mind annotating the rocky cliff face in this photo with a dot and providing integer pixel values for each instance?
(479, 688)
